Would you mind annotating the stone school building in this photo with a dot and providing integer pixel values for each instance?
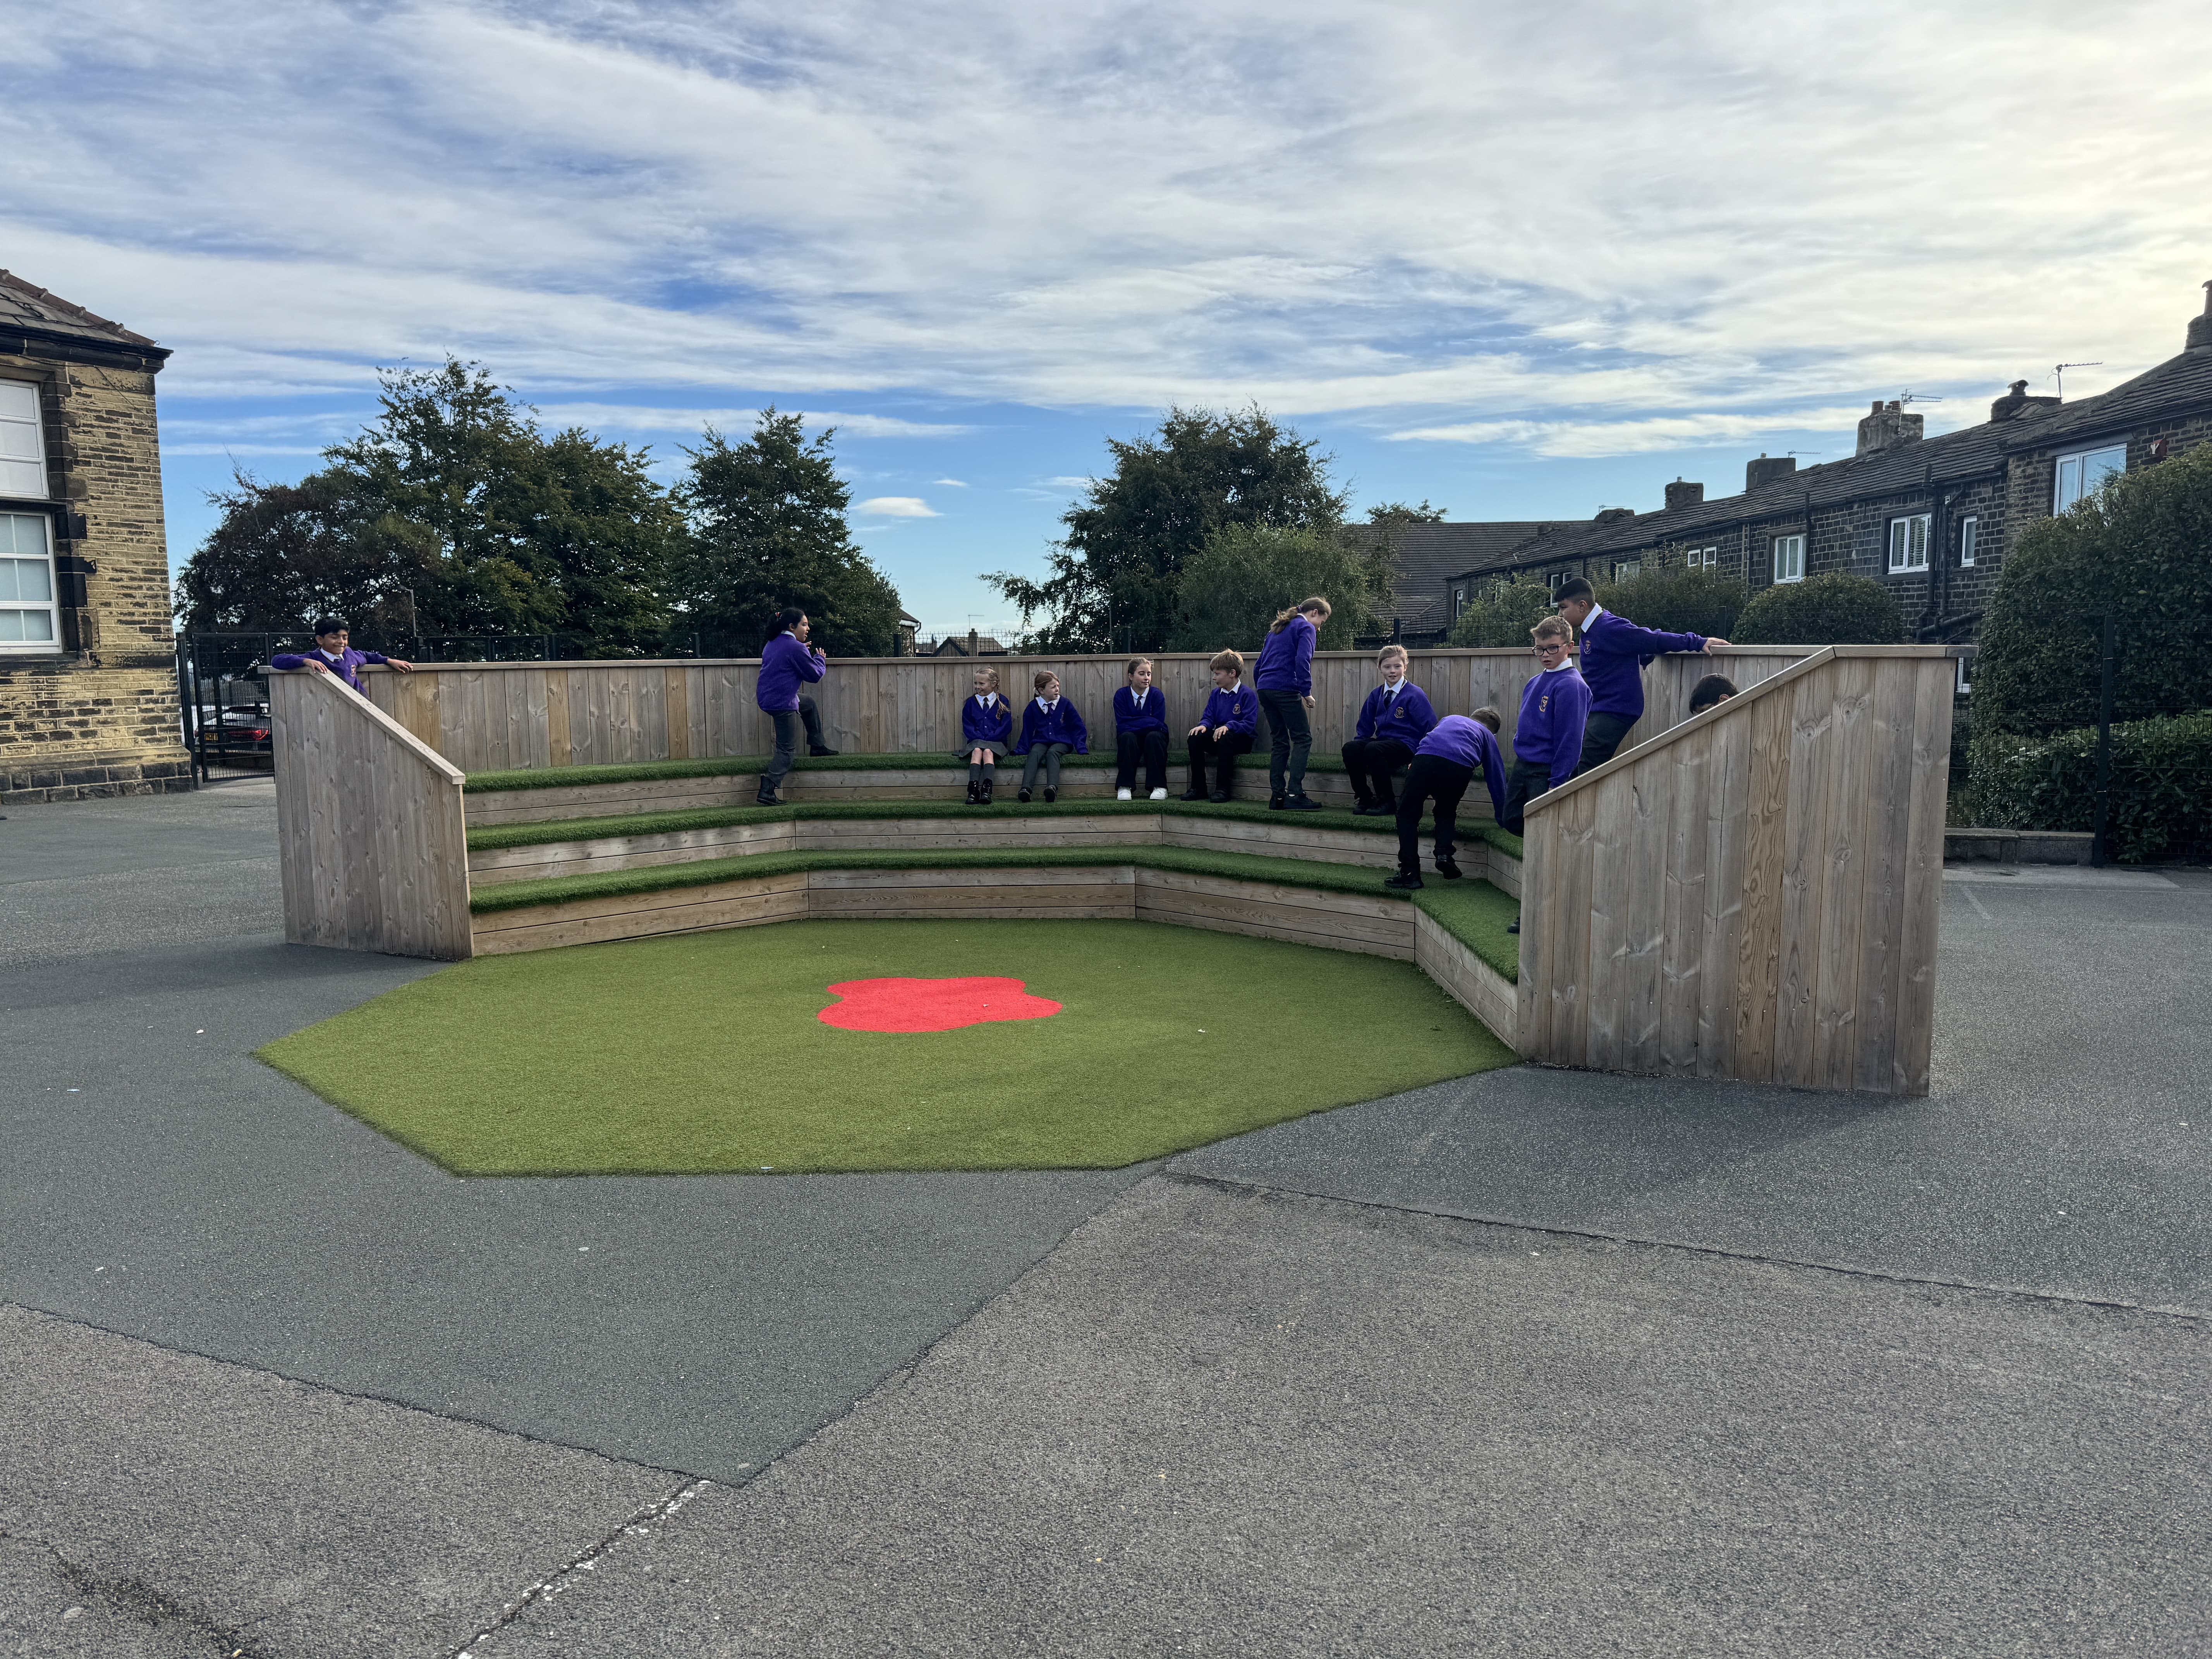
(88, 700)
(1928, 518)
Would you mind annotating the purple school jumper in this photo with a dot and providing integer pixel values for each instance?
(1152, 717)
(786, 664)
(1468, 743)
(986, 723)
(1237, 708)
(1408, 720)
(346, 665)
(1286, 660)
(1061, 723)
(1616, 653)
(1554, 706)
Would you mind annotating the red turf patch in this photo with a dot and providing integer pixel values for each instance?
(930, 1005)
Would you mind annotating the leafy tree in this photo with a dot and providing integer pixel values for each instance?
(2134, 551)
(1397, 512)
(1114, 576)
(1678, 600)
(1502, 614)
(768, 530)
(1246, 573)
(282, 555)
(1834, 608)
(564, 535)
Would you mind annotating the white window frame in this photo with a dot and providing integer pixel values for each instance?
(1970, 539)
(1705, 558)
(1624, 569)
(2071, 480)
(1459, 603)
(1965, 681)
(22, 442)
(1908, 543)
(13, 523)
(1790, 558)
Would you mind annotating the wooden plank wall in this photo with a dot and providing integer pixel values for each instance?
(371, 840)
(1756, 897)
(495, 716)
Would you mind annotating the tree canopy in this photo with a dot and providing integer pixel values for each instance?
(1833, 608)
(452, 513)
(768, 529)
(1113, 577)
(1501, 614)
(1247, 573)
(1678, 600)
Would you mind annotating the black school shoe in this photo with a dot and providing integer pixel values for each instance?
(816, 752)
(1276, 803)
(1220, 797)
(1302, 804)
(1448, 868)
(1404, 881)
(1193, 794)
(766, 800)
(1023, 798)
(975, 791)
(1051, 794)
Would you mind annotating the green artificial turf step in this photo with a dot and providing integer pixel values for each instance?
(734, 766)
(1478, 923)
(552, 831)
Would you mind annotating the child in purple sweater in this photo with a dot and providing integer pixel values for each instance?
(985, 724)
(1051, 726)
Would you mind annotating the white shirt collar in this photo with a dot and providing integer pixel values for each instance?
(330, 656)
(1596, 611)
(987, 698)
(1139, 697)
(1047, 704)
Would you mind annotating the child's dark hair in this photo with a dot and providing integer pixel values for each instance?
(1232, 661)
(325, 626)
(1283, 618)
(788, 618)
(1709, 692)
(1490, 717)
(1574, 588)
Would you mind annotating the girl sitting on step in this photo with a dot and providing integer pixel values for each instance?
(986, 723)
(1051, 727)
(1140, 732)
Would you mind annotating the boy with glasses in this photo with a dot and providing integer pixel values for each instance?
(1547, 740)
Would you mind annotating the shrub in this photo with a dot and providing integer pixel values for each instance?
(1502, 615)
(1230, 592)
(2161, 785)
(1678, 600)
(1831, 608)
(2140, 550)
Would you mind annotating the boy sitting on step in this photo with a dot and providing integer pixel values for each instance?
(986, 723)
(1394, 717)
(1051, 728)
(1224, 729)
(1443, 765)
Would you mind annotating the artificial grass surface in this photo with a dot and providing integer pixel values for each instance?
(562, 777)
(702, 1054)
(1477, 915)
(549, 832)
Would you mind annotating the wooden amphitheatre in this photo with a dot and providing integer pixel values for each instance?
(1750, 894)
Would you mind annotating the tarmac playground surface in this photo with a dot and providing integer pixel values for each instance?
(1529, 1362)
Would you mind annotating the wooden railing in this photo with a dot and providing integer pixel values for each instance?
(493, 716)
(371, 841)
(1754, 894)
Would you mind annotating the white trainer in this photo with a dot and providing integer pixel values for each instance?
(1120, 794)
(1159, 794)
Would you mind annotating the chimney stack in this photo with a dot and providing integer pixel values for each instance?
(1758, 474)
(2017, 403)
(1684, 494)
(2200, 328)
(1889, 425)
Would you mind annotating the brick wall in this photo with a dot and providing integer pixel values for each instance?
(102, 719)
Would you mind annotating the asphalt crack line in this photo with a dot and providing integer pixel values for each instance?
(1254, 1190)
(571, 1574)
(142, 1602)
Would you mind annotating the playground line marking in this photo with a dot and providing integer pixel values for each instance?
(931, 1004)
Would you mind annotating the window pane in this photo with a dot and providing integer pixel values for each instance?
(1967, 534)
(30, 579)
(19, 627)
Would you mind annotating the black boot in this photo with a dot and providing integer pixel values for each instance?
(987, 789)
(975, 791)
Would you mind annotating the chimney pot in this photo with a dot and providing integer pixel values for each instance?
(1888, 426)
(1684, 494)
(2200, 328)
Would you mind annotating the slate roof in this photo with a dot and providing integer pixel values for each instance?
(30, 309)
(2178, 384)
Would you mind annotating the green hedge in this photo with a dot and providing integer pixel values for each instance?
(1834, 608)
(1678, 600)
(2139, 549)
(2161, 785)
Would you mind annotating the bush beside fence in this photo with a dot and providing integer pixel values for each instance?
(2161, 789)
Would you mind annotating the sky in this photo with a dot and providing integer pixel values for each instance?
(1520, 261)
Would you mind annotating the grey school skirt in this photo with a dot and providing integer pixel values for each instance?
(997, 750)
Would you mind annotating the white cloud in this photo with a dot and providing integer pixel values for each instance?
(636, 417)
(1442, 216)
(1587, 439)
(952, 482)
(895, 506)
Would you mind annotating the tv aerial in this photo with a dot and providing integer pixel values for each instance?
(2059, 371)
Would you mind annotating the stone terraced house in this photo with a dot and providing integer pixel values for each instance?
(1930, 518)
(88, 702)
